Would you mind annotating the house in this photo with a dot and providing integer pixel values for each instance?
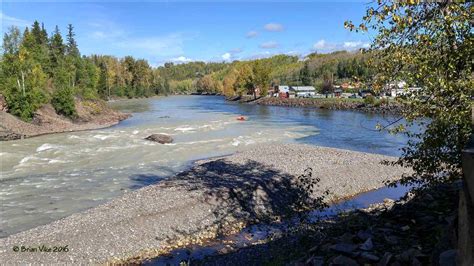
(303, 91)
(345, 86)
(283, 91)
(364, 93)
(400, 88)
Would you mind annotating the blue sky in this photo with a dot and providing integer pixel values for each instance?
(210, 31)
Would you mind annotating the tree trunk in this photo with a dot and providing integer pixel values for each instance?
(23, 82)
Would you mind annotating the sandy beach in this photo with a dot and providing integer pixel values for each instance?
(213, 197)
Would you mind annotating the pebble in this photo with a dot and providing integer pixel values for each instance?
(369, 256)
(367, 245)
(344, 248)
(387, 256)
(364, 235)
(344, 261)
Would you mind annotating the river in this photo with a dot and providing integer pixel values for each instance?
(50, 177)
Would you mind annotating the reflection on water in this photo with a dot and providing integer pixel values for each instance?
(52, 176)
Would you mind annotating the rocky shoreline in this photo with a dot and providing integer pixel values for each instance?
(215, 197)
(90, 115)
(322, 103)
(419, 229)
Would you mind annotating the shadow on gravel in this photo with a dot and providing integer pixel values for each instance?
(242, 194)
(250, 192)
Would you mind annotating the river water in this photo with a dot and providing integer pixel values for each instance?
(49, 177)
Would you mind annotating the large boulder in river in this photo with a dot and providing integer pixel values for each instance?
(160, 138)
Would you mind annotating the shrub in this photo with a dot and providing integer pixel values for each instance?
(24, 106)
(369, 100)
(63, 102)
(384, 101)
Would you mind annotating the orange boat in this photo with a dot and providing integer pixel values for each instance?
(241, 118)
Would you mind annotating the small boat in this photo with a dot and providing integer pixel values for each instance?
(241, 118)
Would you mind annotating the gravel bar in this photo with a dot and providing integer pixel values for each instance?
(214, 197)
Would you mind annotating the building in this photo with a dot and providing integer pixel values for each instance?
(338, 93)
(303, 91)
(400, 88)
(283, 91)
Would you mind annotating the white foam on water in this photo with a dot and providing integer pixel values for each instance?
(26, 159)
(184, 129)
(51, 161)
(46, 147)
(202, 141)
(73, 137)
(102, 137)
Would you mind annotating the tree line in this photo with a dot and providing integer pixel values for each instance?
(39, 68)
(242, 77)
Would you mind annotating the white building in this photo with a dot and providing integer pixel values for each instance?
(303, 91)
(283, 89)
(400, 88)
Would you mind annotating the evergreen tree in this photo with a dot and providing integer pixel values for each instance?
(305, 75)
(56, 48)
(71, 46)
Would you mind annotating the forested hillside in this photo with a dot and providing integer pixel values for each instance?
(38, 68)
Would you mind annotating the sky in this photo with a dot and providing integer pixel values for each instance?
(179, 31)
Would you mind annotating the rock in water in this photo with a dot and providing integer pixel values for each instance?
(448, 258)
(160, 138)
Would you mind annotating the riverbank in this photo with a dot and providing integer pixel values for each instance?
(379, 106)
(215, 197)
(90, 115)
(420, 229)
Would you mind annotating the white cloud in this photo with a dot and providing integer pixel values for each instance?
(114, 35)
(264, 54)
(226, 56)
(181, 59)
(252, 34)
(324, 46)
(107, 34)
(168, 45)
(356, 44)
(269, 45)
(106, 30)
(321, 44)
(273, 27)
(236, 51)
(11, 21)
(232, 54)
